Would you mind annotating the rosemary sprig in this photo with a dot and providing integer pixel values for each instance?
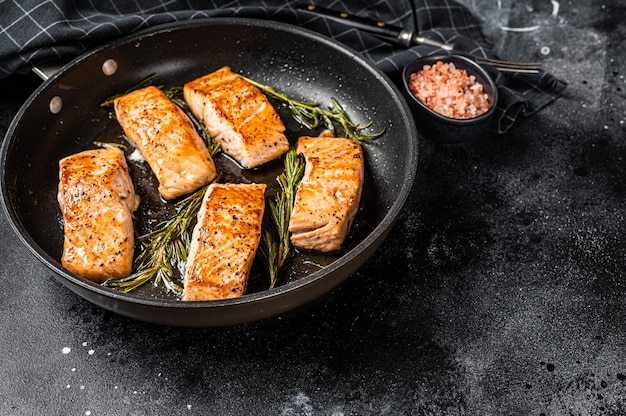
(175, 94)
(164, 249)
(109, 144)
(143, 83)
(275, 243)
(311, 115)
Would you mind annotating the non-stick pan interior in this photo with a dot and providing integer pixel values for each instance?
(296, 62)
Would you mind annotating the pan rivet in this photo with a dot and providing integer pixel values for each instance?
(56, 103)
(109, 67)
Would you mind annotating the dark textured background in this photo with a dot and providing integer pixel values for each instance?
(500, 291)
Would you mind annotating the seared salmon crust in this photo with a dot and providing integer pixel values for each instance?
(329, 194)
(168, 139)
(97, 199)
(238, 116)
(224, 241)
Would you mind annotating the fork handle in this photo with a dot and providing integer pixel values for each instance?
(369, 25)
(390, 33)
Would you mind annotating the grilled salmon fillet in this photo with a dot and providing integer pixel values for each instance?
(168, 140)
(224, 241)
(97, 199)
(328, 196)
(238, 116)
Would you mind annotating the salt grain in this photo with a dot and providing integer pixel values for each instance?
(449, 91)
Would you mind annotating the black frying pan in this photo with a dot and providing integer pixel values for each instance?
(63, 116)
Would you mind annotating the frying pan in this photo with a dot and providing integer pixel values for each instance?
(63, 116)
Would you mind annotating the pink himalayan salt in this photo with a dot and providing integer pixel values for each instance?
(449, 91)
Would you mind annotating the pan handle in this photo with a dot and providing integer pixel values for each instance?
(48, 69)
(45, 71)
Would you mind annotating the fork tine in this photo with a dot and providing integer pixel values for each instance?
(516, 70)
(513, 67)
(511, 64)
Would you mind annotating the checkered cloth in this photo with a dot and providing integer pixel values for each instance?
(36, 31)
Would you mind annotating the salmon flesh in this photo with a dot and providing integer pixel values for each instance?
(97, 200)
(224, 241)
(238, 116)
(167, 138)
(329, 194)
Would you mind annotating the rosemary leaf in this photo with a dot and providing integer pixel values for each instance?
(109, 144)
(315, 264)
(275, 243)
(143, 83)
(164, 249)
(175, 94)
(312, 115)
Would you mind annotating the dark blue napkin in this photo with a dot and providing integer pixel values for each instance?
(34, 32)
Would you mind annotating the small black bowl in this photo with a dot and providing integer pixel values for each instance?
(438, 127)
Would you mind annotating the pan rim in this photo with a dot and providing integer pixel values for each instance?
(371, 241)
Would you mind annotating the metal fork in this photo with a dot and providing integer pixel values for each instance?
(511, 66)
(407, 37)
(501, 65)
